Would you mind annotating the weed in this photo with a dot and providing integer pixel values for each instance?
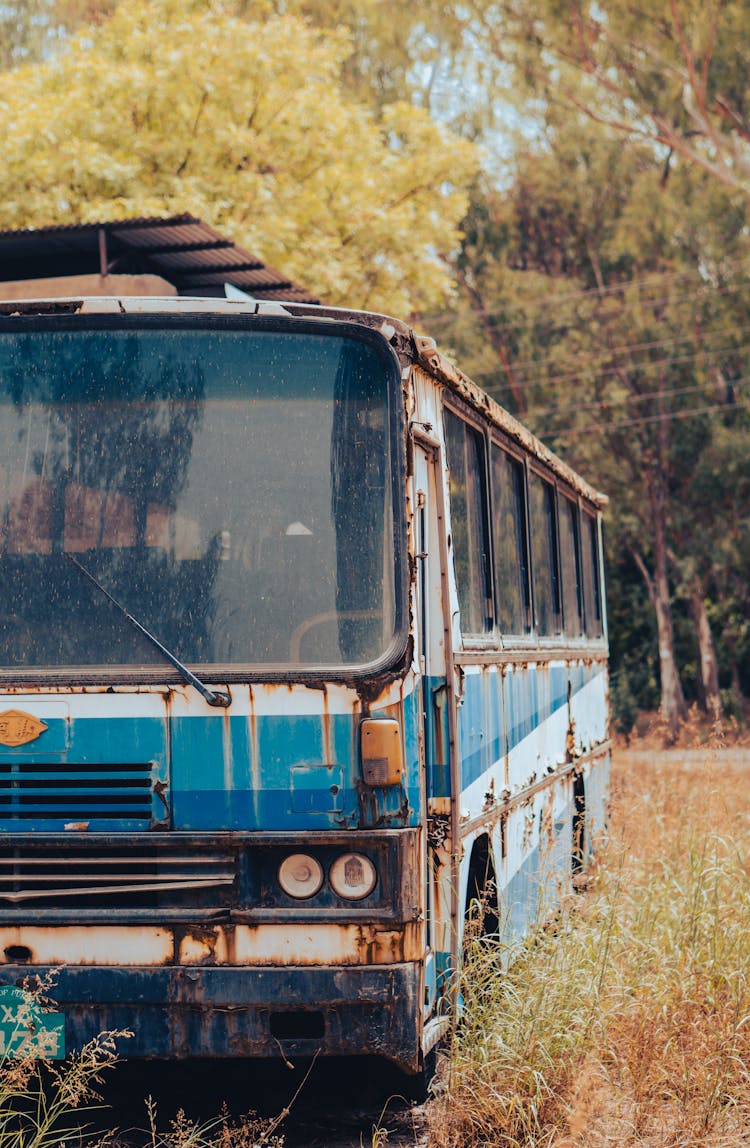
(248, 1131)
(42, 1103)
(629, 1021)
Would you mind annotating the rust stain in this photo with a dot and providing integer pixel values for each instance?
(197, 945)
(161, 788)
(327, 749)
(263, 945)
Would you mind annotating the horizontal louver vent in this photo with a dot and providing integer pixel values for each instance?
(72, 792)
(136, 872)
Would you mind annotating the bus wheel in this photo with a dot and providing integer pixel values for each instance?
(426, 1082)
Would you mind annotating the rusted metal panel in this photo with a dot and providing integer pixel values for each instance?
(301, 945)
(108, 945)
(263, 945)
(220, 1011)
(185, 250)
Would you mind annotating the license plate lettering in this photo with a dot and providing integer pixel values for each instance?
(26, 1030)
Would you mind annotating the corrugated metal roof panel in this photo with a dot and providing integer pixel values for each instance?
(184, 250)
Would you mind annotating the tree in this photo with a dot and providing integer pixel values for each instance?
(610, 310)
(715, 553)
(34, 30)
(182, 105)
(673, 73)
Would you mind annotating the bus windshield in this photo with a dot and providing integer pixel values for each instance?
(231, 487)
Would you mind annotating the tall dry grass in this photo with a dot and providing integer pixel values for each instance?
(627, 1022)
(51, 1104)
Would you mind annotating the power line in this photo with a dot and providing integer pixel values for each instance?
(644, 366)
(627, 348)
(669, 391)
(668, 415)
(633, 397)
(553, 301)
(622, 285)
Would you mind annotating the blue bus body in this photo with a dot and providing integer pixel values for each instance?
(146, 831)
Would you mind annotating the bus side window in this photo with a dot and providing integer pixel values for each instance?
(591, 578)
(468, 496)
(570, 560)
(544, 555)
(510, 545)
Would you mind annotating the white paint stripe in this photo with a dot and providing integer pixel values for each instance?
(543, 747)
(260, 699)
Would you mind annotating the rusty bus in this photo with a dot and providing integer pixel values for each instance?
(302, 644)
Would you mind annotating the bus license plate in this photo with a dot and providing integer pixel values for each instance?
(26, 1030)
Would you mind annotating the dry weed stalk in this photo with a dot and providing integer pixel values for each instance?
(628, 1022)
(42, 1103)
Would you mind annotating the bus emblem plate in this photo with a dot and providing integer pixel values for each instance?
(17, 727)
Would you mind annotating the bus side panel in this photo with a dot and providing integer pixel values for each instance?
(519, 788)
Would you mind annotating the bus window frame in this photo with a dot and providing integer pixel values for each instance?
(517, 456)
(575, 502)
(495, 641)
(394, 657)
(558, 637)
(487, 639)
(597, 574)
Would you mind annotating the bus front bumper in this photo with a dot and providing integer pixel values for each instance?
(182, 1012)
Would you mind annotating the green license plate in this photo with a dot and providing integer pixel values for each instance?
(26, 1029)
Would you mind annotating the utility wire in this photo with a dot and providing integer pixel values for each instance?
(643, 366)
(656, 278)
(694, 412)
(627, 348)
(633, 397)
(615, 402)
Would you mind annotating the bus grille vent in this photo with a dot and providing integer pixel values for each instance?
(75, 793)
(31, 877)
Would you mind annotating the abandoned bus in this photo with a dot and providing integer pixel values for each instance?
(302, 644)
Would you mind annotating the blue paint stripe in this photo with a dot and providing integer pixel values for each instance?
(271, 809)
(529, 696)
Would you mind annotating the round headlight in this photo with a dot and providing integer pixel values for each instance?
(353, 876)
(300, 875)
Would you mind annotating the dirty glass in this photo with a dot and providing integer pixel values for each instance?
(591, 582)
(571, 569)
(468, 493)
(544, 555)
(230, 488)
(509, 536)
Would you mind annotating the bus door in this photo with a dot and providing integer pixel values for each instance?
(433, 636)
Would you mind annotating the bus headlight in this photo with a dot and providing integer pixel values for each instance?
(353, 876)
(300, 875)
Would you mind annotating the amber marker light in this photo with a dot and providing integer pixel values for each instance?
(382, 752)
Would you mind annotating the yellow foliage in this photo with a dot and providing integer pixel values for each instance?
(179, 105)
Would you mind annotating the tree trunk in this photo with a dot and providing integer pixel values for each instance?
(734, 670)
(708, 665)
(672, 706)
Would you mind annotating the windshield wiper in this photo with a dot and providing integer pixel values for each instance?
(212, 697)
